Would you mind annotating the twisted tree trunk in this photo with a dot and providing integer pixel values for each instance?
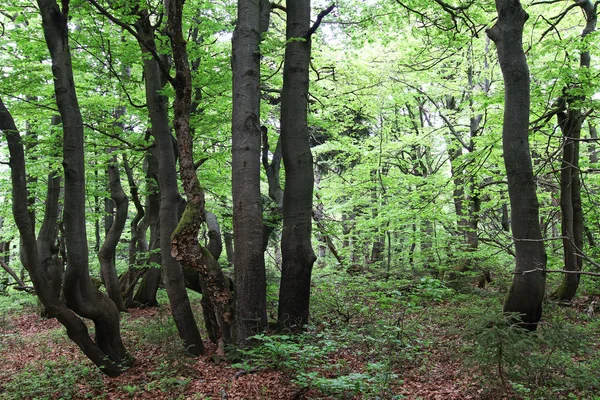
(184, 240)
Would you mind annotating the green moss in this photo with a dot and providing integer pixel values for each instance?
(191, 218)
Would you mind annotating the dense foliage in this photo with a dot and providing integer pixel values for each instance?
(405, 148)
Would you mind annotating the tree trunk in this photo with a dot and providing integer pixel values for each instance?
(146, 293)
(47, 240)
(169, 192)
(570, 121)
(184, 240)
(296, 247)
(108, 352)
(138, 245)
(106, 256)
(527, 290)
(249, 264)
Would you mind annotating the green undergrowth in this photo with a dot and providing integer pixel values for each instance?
(558, 360)
(364, 338)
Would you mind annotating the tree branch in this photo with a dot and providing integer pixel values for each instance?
(128, 28)
(559, 271)
(320, 17)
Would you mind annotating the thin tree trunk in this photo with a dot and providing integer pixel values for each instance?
(106, 256)
(184, 240)
(570, 120)
(169, 192)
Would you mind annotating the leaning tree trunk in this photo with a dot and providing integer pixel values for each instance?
(529, 282)
(249, 264)
(106, 352)
(298, 256)
(184, 240)
(169, 192)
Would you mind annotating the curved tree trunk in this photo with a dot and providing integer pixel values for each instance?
(250, 277)
(527, 290)
(169, 193)
(80, 294)
(184, 240)
(108, 354)
(106, 256)
(138, 245)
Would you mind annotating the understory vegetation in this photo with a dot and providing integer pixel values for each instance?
(386, 339)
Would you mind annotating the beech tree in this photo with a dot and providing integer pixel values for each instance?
(249, 263)
(298, 256)
(528, 288)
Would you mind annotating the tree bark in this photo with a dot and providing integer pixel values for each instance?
(249, 264)
(527, 290)
(106, 256)
(146, 293)
(169, 192)
(47, 240)
(107, 352)
(138, 244)
(570, 120)
(297, 253)
(185, 246)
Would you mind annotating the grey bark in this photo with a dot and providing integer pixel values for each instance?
(249, 262)
(527, 290)
(297, 253)
(169, 193)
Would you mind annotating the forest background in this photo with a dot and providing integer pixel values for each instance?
(395, 187)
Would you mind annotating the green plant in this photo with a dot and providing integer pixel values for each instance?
(537, 364)
(50, 380)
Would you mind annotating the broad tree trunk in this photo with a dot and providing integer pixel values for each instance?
(527, 290)
(249, 264)
(296, 247)
(184, 240)
(169, 192)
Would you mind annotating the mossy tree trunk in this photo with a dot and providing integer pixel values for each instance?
(185, 246)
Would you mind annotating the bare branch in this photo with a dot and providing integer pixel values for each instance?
(558, 271)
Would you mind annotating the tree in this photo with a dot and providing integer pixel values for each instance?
(185, 246)
(570, 118)
(249, 263)
(527, 291)
(296, 248)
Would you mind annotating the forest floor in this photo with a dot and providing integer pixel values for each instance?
(38, 361)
